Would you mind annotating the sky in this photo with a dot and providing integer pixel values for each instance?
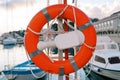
(16, 14)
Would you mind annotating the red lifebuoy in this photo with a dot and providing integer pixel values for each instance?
(81, 57)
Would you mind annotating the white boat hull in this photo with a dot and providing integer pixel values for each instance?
(113, 74)
(9, 41)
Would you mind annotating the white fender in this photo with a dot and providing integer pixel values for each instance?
(69, 39)
(64, 41)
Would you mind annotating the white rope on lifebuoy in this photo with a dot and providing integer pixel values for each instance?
(38, 33)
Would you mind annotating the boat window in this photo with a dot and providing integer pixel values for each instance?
(114, 60)
(99, 59)
(99, 47)
(112, 46)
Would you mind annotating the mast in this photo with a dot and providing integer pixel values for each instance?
(60, 76)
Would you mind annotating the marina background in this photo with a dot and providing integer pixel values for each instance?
(16, 14)
(11, 55)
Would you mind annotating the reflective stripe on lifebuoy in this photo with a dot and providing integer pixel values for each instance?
(67, 66)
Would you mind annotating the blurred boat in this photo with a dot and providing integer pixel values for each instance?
(20, 40)
(8, 46)
(25, 71)
(9, 41)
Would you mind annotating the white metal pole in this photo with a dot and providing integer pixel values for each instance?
(76, 3)
(60, 52)
(48, 51)
(75, 27)
(60, 1)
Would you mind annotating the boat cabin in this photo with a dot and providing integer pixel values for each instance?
(107, 46)
(106, 55)
(110, 60)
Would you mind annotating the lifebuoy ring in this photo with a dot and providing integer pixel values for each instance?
(66, 66)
